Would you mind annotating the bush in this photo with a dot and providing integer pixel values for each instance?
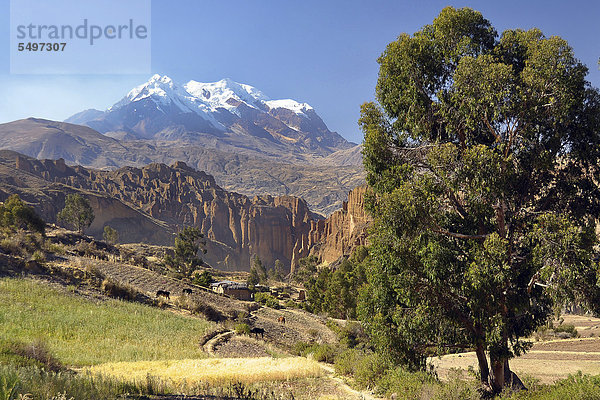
(16, 215)
(267, 299)
(38, 256)
(22, 244)
(196, 307)
(203, 279)
(567, 328)
(56, 248)
(118, 290)
(242, 329)
(319, 352)
(350, 335)
(89, 249)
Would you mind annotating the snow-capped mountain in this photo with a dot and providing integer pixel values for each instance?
(162, 109)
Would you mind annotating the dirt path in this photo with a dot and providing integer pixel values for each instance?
(359, 394)
(209, 346)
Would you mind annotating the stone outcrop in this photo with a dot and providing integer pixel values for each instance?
(343, 230)
(152, 203)
(236, 227)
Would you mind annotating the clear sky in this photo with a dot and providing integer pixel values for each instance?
(320, 52)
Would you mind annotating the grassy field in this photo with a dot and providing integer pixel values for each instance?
(83, 332)
(214, 371)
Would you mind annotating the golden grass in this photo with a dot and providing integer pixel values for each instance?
(215, 371)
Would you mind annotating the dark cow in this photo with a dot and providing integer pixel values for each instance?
(258, 331)
(281, 320)
(163, 293)
(187, 291)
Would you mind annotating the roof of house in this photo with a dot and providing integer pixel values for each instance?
(229, 285)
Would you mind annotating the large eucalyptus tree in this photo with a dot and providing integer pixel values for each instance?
(482, 157)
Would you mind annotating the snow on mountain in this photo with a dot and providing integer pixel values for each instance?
(205, 98)
(224, 110)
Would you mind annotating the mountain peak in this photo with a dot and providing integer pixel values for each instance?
(163, 109)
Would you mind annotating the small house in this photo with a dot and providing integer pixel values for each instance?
(234, 289)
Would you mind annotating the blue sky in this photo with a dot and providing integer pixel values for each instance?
(320, 52)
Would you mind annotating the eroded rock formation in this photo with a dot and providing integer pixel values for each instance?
(343, 230)
(236, 226)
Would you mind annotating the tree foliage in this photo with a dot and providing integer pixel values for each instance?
(334, 290)
(15, 214)
(203, 279)
(110, 235)
(481, 154)
(77, 213)
(188, 244)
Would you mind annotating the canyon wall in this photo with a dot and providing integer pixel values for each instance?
(236, 227)
(343, 230)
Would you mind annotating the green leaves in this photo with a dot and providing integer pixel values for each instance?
(482, 155)
(77, 212)
(188, 243)
(15, 214)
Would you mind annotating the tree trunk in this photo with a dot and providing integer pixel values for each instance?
(497, 380)
(511, 379)
(483, 363)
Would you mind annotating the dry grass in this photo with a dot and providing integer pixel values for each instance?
(547, 366)
(214, 371)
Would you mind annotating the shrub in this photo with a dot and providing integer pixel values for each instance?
(118, 290)
(22, 244)
(196, 307)
(266, 299)
(350, 335)
(56, 248)
(319, 352)
(89, 249)
(203, 279)
(38, 256)
(16, 215)
(242, 329)
(567, 328)
(110, 235)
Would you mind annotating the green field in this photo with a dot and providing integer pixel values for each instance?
(83, 332)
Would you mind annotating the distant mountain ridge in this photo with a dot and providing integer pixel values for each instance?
(322, 181)
(197, 112)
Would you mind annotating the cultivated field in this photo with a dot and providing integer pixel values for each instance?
(214, 371)
(81, 331)
(547, 361)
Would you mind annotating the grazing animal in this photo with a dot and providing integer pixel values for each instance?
(281, 320)
(187, 291)
(163, 293)
(258, 331)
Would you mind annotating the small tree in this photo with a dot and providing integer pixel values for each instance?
(278, 271)
(188, 243)
(254, 278)
(77, 213)
(260, 269)
(203, 279)
(110, 235)
(15, 214)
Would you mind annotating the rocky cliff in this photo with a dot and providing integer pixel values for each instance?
(345, 229)
(236, 226)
